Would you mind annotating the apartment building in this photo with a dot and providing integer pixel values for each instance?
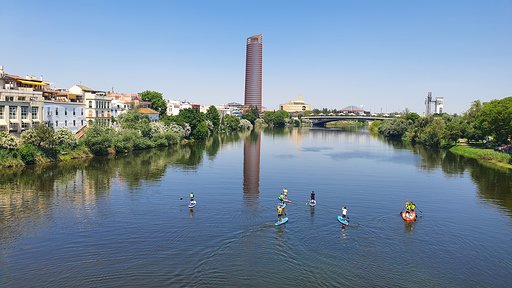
(21, 102)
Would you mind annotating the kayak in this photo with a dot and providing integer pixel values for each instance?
(283, 220)
(192, 204)
(409, 218)
(343, 220)
(312, 203)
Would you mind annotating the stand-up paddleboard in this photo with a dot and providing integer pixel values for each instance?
(312, 203)
(283, 220)
(342, 220)
(192, 204)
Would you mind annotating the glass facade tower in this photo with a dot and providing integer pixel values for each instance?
(253, 71)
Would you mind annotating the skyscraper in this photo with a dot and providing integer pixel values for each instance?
(253, 71)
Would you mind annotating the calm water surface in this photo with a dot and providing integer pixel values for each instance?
(120, 222)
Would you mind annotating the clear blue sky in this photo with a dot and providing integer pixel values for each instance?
(381, 54)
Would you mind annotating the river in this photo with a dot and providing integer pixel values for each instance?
(119, 222)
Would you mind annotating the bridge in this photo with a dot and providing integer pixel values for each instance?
(321, 120)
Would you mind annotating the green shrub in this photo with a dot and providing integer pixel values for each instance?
(28, 153)
(99, 140)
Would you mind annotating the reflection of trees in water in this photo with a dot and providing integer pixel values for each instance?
(29, 193)
(493, 183)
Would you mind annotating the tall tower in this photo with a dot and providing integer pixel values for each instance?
(253, 71)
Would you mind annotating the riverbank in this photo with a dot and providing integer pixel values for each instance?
(503, 160)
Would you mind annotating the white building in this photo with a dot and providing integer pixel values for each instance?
(21, 102)
(64, 110)
(97, 105)
(439, 105)
(174, 107)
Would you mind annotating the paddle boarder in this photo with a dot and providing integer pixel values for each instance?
(312, 197)
(344, 212)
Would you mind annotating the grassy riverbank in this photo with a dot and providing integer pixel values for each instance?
(485, 155)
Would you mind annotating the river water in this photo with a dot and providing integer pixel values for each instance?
(119, 222)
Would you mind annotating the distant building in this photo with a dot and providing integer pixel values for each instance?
(253, 71)
(354, 110)
(97, 105)
(153, 115)
(63, 109)
(21, 102)
(122, 102)
(439, 105)
(295, 106)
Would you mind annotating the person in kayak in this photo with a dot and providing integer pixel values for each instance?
(407, 206)
(413, 206)
(312, 197)
(344, 212)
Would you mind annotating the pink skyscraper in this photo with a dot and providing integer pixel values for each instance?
(253, 71)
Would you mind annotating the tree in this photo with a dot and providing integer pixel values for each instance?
(434, 134)
(65, 138)
(281, 118)
(231, 122)
(212, 114)
(135, 120)
(191, 116)
(251, 114)
(99, 139)
(41, 136)
(495, 119)
(201, 132)
(157, 101)
(8, 141)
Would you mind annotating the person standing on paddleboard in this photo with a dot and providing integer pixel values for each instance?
(312, 197)
(191, 197)
(280, 213)
(344, 212)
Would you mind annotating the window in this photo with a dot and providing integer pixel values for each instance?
(82, 122)
(12, 112)
(97, 113)
(66, 123)
(12, 126)
(24, 126)
(90, 104)
(82, 111)
(24, 112)
(66, 111)
(9, 98)
(21, 98)
(2, 108)
(56, 123)
(74, 112)
(49, 113)
(74, 123)
(56, 111)
(34, 112)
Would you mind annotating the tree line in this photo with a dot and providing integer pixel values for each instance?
(489, 123)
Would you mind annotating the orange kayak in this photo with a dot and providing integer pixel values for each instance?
(410, 217)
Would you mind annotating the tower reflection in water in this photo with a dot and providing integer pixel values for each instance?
(251, 187)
